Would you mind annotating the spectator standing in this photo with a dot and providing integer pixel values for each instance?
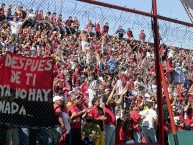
(111, 64)
(68, 25)
(75, 24)
(53, 20)
(19, 13)
(98, 29)
(135, 118)
(31, 17)
(104, 42)
(57, 132)
(169, 70)
(2, 12)
(142, 36)
(95, 113)
(110, 122)
(188, 122)
(178, 73)
(105, 28)
(76, 115)
(48, 17)
(84, 40)
(67, 120)
(89, 26)
(149, 117)
(60, 22)
(9, 14)
(120, 32)
(41, 15)
(76, 79)
(129, 34)
(90, 132)
(15, 27)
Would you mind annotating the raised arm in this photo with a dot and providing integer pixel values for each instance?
(119, 102)
(111, 95)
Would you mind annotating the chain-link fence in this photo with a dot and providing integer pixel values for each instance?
(77, 73)
(172, 34)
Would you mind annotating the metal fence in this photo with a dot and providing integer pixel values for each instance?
(171, 33)
(101, 62)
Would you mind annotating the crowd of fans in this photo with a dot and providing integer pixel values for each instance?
(104, 86)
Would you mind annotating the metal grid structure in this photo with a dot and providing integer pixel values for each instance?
(172, 32)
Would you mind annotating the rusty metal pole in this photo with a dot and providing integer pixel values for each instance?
(158, 73)
(173, 127)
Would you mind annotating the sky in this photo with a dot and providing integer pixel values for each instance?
(172, 34)
(169, 8)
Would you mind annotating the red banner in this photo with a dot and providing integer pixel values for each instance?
(26, 90)
(26, 72)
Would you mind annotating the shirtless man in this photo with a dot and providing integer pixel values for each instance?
(104, 40)
(84, 40)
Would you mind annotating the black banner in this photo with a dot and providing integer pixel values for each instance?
(26, 91)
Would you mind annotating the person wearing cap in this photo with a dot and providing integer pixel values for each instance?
(76, 115)
(57, 132)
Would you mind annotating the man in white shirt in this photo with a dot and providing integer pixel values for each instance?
(15, 27)
(149, 116)
(31, 18)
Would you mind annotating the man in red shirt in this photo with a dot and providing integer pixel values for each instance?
(95, 112)
(110, 122)
(53, 19)
(57, 132)
(188, 122)
(169, 69)
(68, 25)
(41, 15)
(2, 11)
(97, 29)
(75, 115)
(135, 118)
(99, 117)
(105, 28)
(142, 36)
(76, 78)
(129, 34)
(89, 26)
